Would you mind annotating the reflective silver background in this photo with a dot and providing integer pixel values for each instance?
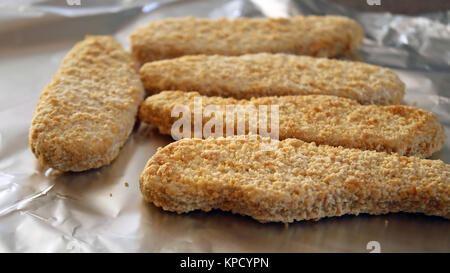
(94, 211)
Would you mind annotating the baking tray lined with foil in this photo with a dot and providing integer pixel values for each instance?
(102, 210)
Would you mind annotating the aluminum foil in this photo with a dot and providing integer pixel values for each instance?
(102, 210)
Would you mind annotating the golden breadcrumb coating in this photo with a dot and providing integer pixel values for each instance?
(296, 181)
(86, 113)
(316, 118)
(320, 36)
(264, 74)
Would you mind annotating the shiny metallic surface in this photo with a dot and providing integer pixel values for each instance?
(95, 211)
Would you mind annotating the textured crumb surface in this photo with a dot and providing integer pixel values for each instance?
(86, 113)
(295, 181)
(256, 75)
(320, 36)
(315, 118)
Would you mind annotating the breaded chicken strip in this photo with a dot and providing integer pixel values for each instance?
(265, 74)
(316, 118)
(320, 36)
(86, 113)
(296, 181)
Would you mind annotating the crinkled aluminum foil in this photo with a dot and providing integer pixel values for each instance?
(95, 211)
